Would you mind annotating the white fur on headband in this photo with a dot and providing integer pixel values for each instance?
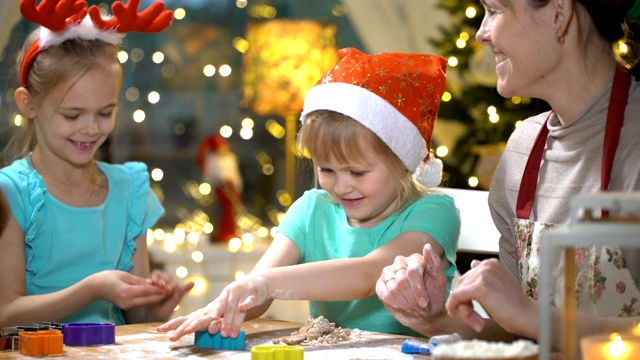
(85, 30)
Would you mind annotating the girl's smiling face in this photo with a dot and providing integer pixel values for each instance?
(367, 191)
(73, 123)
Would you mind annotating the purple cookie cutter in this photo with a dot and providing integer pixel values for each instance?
(88, 334)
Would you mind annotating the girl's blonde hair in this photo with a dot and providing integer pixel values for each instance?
(327, 135)
(52, 67)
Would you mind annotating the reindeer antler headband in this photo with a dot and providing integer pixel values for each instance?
(62, 20)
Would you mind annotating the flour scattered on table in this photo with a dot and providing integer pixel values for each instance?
(480, 349)
(316, 332)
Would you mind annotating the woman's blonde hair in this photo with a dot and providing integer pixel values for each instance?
(327, 135)
(52, 67)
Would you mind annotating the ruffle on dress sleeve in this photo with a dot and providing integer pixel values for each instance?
(138, 208)
(37, 190)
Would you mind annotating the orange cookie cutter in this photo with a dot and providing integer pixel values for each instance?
(40, 343)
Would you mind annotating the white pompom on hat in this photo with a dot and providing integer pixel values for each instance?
(395, 95)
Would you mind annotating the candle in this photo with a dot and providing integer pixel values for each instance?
(610, 347)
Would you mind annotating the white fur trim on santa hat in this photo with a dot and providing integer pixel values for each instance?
(375, 113)
(85, 30)
(429, 172)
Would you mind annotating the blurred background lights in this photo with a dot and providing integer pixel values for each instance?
(193, 238)
(268, 169)
(239, 275)
(209, 70)
(139, 116)
(182, 272)
(225, 70)
(132, 94)
(153, 97)
(137, 55)
(150, 238)
(18, 120)
(240, 44)
(263, 232)
(248, 122)
(179, 13)
(226, 131)
(473, 181)
(200, 286)
(197, 256)
(442, 151)
(169, 244)
(207, 228)
(123, 56)
(158, 234)
(168, 70)
(471, 12)
(204, 188)
(179, 235)
(275, 129)
(157, 174)
(235, 244)
(157, 57)
(246, 133)
(248, 238)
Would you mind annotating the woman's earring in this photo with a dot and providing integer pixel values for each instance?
(559, 38)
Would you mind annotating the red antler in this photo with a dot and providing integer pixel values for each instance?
(54, 14)
(127, 19)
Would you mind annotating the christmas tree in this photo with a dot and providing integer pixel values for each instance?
(473, 100)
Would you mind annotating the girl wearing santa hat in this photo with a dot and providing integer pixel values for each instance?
(367, 126)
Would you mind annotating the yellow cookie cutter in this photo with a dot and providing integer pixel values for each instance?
(277, 352)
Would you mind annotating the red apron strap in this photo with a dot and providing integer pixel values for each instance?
(529, 183)
(615, 119)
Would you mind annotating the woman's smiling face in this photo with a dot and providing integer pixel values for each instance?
(522, 40)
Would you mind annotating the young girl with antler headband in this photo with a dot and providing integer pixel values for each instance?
(77, 226)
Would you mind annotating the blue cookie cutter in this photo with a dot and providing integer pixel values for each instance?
(204, 339)
(88, 334)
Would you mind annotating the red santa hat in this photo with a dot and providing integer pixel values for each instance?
(395, 95)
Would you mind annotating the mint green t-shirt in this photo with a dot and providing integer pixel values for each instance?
(65, 244)
(320, 230)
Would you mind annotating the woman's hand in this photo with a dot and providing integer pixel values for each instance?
(413, 290)
(226, 313)
(489, 283)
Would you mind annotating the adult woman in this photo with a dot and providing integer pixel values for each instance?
(559, 51)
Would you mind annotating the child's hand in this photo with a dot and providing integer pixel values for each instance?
(125, 290)
(162, 310)
(226, 313)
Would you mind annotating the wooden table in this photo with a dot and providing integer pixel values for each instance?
(142, 341)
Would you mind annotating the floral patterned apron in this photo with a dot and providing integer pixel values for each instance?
(604, 284)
